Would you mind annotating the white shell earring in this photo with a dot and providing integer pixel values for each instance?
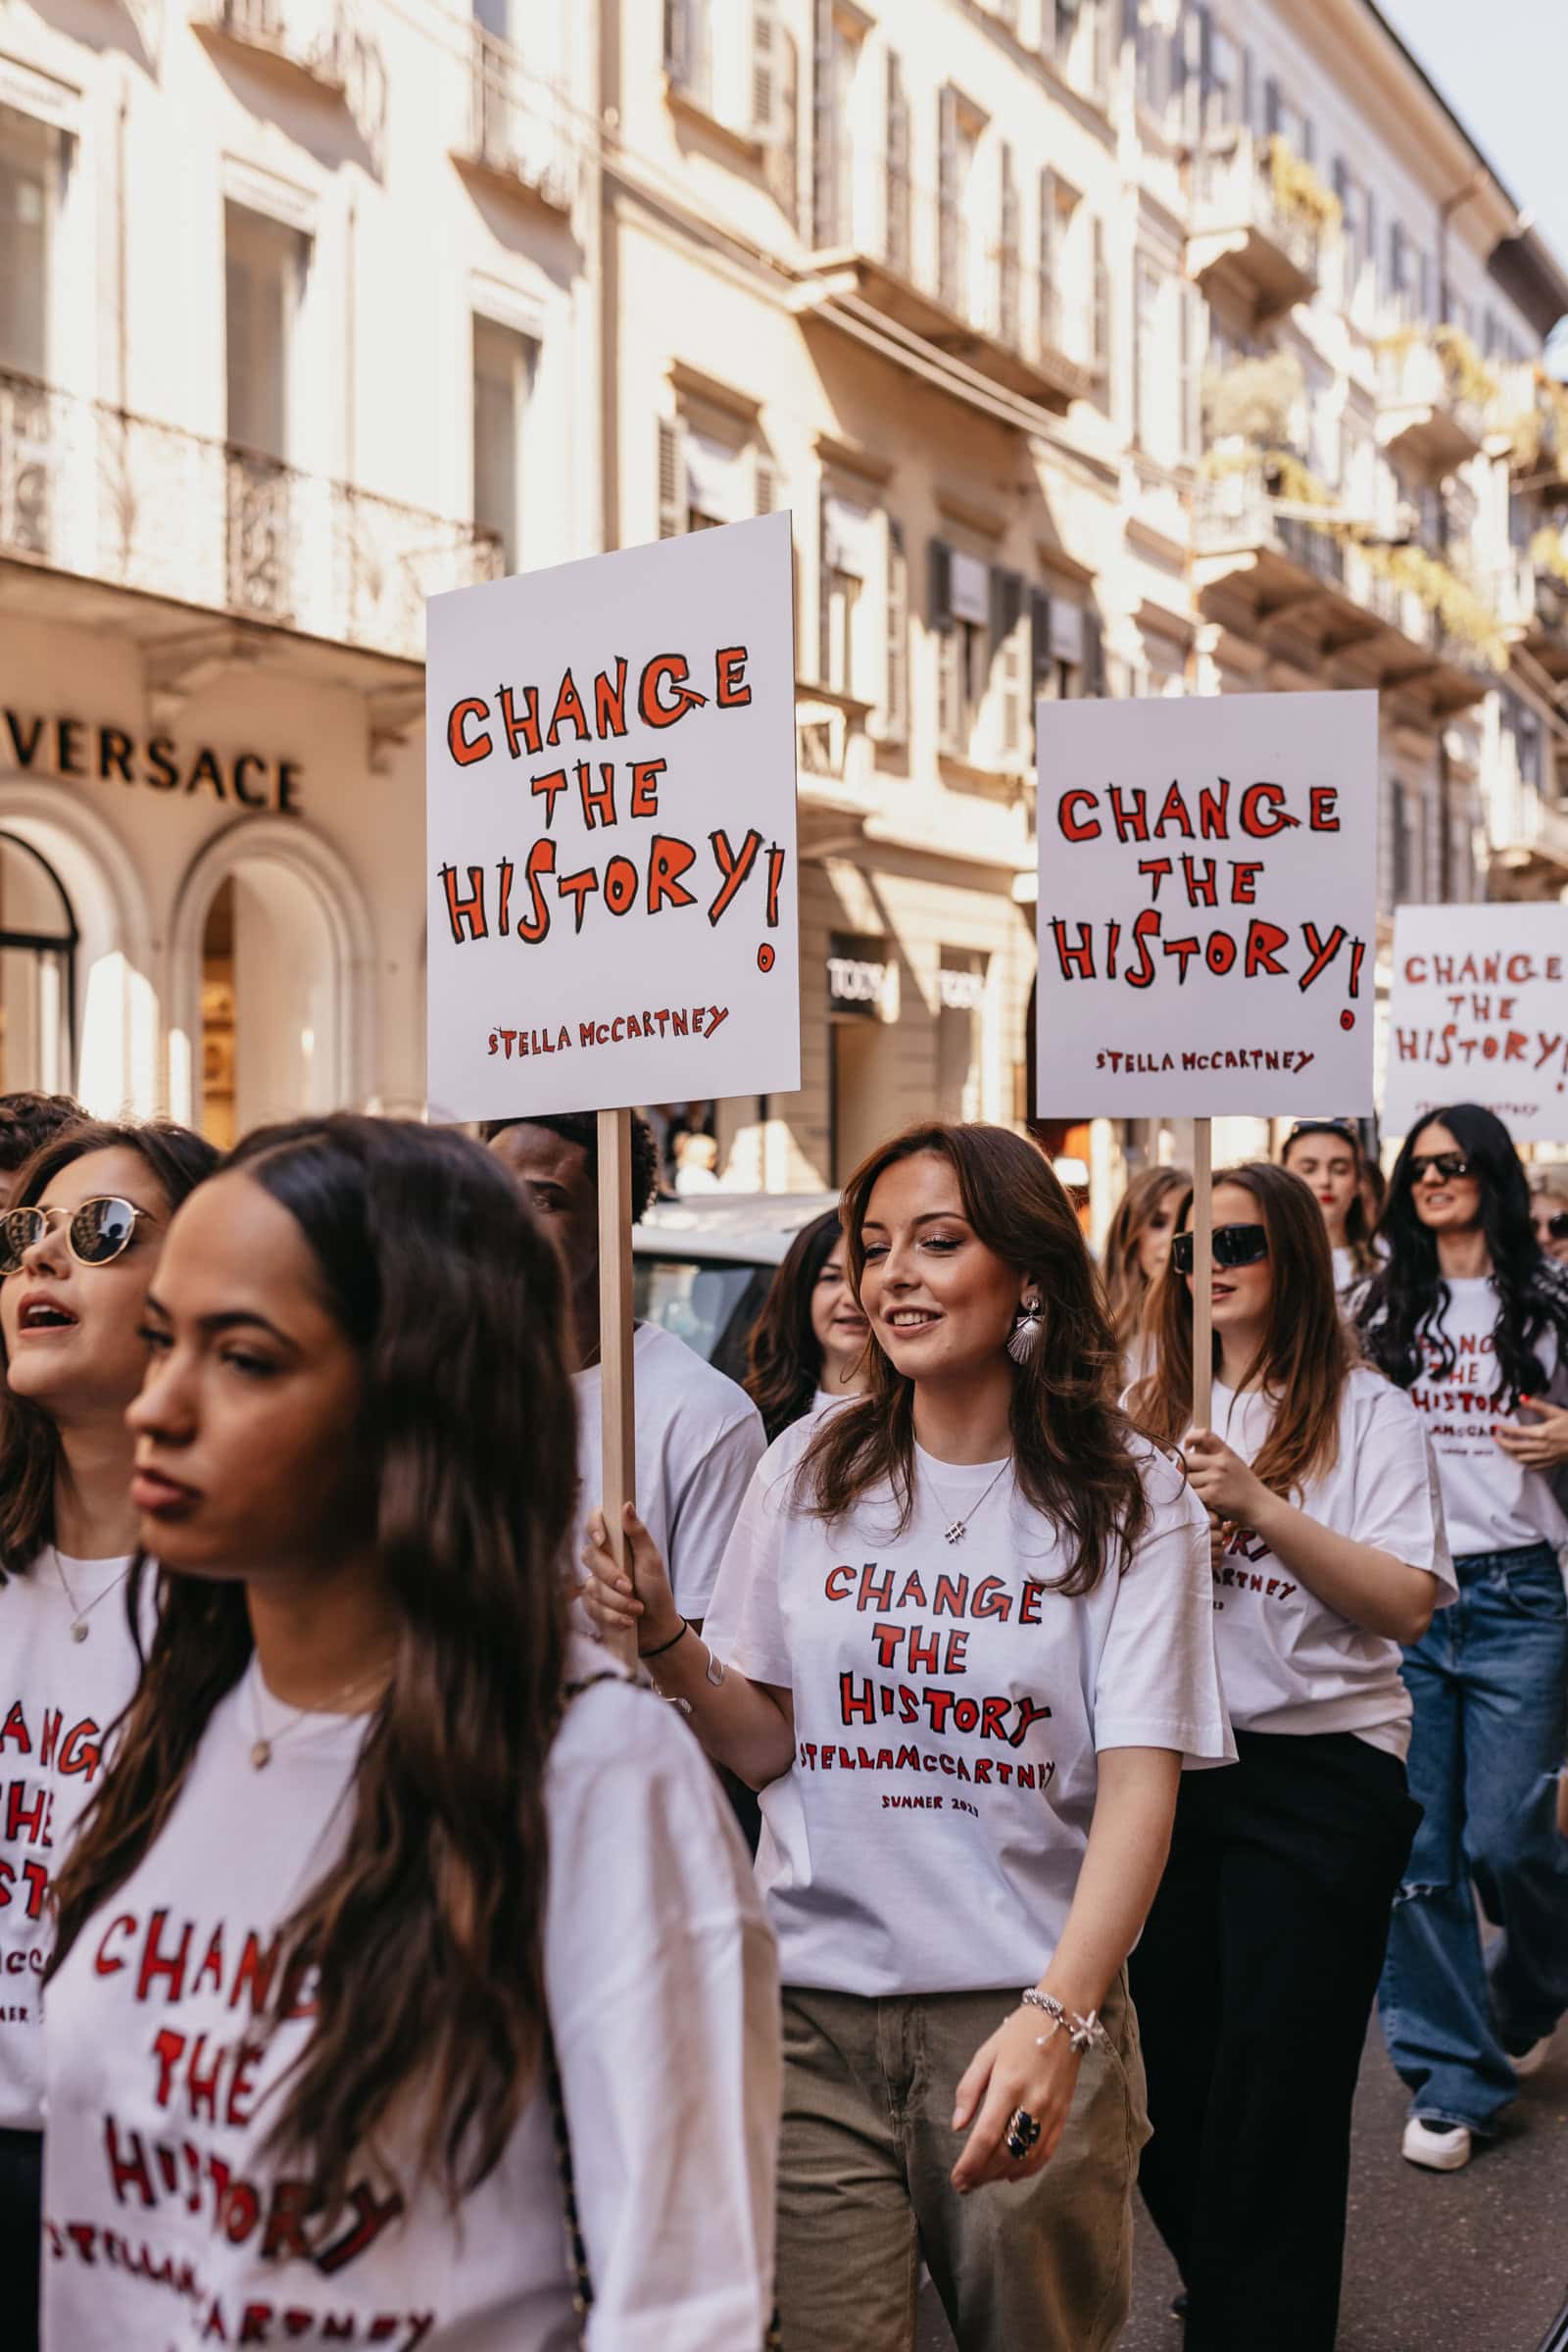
(1027, 1332)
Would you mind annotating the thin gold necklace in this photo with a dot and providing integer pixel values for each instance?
(80, 1628)
(265, 1741)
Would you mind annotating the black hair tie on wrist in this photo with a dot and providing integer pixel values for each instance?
(645, 1655)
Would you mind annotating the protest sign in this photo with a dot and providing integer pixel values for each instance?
(1478, 1012)
(611, 774)
(1208, 897)
(610, 815)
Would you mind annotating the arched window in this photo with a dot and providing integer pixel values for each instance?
(38, 940)
(270, 1003)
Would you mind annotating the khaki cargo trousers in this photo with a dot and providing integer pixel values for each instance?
(1042, 2265)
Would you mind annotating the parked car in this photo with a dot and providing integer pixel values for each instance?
(701, 1267)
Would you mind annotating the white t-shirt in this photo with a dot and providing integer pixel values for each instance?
(1491, 1503)
(698, 1439)
(58, 1699)
(948, 1712)
(663, 1992)
(1291, 1663)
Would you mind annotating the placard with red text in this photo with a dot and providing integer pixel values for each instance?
(1207, 895)
(611, 778)
(1478, 1012)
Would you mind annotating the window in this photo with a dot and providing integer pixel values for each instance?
(850, 539)
(38, 974)
(895, 682)
(958, 250)
(706, 477)
(28, 171)
(1225, 80)
(1008, 254)
(724, 57)
(836, 67)
(264, 281)
(503, 365)
(961, 618)
(270, 1002)
(1158, 384)
(1063, 642)
(1047, 306)
(896, 189)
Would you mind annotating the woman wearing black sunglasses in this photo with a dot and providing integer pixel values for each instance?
(77, 1248)
(1265, 1939)
(1473, 1321)
(1548, 1213)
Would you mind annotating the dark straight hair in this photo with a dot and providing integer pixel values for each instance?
(30, 1442)
(1401, 1309)
(425, 1932)
(785, 1362)
(1071, 1456)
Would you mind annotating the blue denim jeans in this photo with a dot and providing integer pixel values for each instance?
(1489, 1682)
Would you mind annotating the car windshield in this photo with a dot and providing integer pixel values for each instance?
(709, 1303)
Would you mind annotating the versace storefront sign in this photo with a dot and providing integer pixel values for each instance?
(72, 749)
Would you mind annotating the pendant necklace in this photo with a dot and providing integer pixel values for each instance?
(80, 1628)
(265, 1741)
(959, 1527)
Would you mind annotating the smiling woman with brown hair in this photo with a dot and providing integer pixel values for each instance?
(393, 1901)
(959, 1642)
(77, 1248)
(1267, 1934)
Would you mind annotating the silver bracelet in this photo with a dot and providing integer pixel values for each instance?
(1083, 2032)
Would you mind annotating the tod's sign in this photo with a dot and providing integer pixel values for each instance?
(76, 749)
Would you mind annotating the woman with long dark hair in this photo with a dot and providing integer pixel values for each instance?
(368, 1895)
(1472, 1320)
(1136, 1246)
(79, 1243)
(1269, 1930)
(959, 1642)
(1327, 1156)
(809, 1343)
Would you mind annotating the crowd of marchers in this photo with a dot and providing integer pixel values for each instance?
(1024, 1796)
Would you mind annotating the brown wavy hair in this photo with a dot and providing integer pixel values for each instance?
(784, 1361)
(1071, 1456)
(1126, 1286)
(427, 1934)
(30, 1442)
(1306, 1353)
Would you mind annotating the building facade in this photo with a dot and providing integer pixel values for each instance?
(1095, 347)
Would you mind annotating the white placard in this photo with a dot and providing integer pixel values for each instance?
(611, 776)
(1478, 1012)
(1208, 898)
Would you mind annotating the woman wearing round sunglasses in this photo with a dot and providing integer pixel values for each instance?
(1548, 1213)
(1267, 1935)
(77, 1248)
(1472, 1320)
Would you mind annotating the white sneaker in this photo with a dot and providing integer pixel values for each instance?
(1529, 2062)
(1441, 2148)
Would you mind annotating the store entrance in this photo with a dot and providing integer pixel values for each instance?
(38, 974)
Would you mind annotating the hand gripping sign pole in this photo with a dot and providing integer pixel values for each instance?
(616, 1335)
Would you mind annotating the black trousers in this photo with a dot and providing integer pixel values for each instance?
(1253, 1984)
(21, 2233)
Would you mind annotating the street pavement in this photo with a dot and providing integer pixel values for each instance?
(1463, 2262)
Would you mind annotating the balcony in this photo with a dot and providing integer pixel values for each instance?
(1529, 828)
(317, 46)
(1268, 567)
(1257, 230)
(1427, 417)
(519, 131)
(91, 496)
(1533, 602)
(917, 267)
(1531, 417)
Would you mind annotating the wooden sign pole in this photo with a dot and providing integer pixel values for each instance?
(1203, 1229)
(618, 1483)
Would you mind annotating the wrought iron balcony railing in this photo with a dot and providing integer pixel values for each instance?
(89, 490)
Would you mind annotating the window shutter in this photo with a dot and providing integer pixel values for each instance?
(1007, 256)
(948, 198)
(896, 694)
(1102, 297)
(1041, 665)
(824, 611)
(1046, 273)
(1249, 93)
(826, 228)
(1372, 242)
(672, 501)
(1271, 106)
(1099, 31)
(678, 41)
(1195, 338)
(766, 69)
(1007, 609)
(939, 562)
(897, 192)
(1094, 653)
(765, 483)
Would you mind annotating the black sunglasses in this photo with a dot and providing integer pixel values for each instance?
(1233, 1246)
(1448, 1166)
(1557, 1226)
(96, 1233)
